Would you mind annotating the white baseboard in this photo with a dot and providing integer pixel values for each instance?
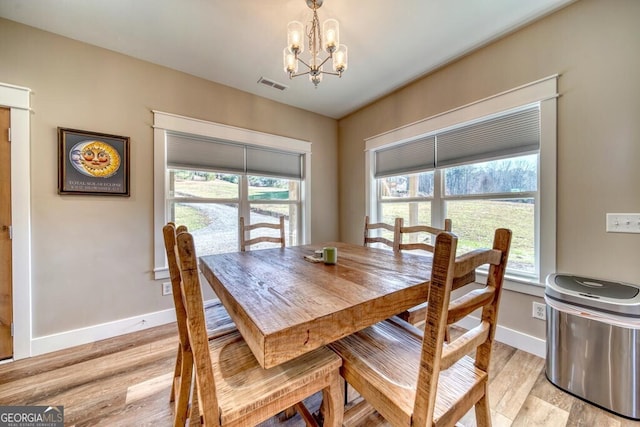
(62, 340)
(519, 340)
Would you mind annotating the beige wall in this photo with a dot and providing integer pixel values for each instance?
(595, 47)
(92, 257)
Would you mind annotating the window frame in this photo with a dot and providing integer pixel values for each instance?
(168, 122)
(542, 92)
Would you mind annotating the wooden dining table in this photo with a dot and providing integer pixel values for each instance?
(285, 305)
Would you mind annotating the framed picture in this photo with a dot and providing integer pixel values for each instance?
(92, 163)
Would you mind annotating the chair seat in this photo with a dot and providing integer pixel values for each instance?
(218, 320)
(387, 357)
(243, 387)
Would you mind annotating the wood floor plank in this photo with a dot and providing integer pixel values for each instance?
(537, 412)
(151, 386)
(153, 410)
(500, 355)
(108, 396)
(498, 420)
(513, 384)
(548, 392)
(585, 414)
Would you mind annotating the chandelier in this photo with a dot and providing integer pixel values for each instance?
(328, 40)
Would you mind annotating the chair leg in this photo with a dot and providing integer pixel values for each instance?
(184, 389)
(195, 417)
(332, 408)
(176, 374)
(483, 410)
(289, 412)
(306, 416)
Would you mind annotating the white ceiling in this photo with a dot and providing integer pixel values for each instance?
(235, 42)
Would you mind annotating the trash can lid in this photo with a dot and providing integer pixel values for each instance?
(602, 295)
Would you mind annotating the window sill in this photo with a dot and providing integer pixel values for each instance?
(161, 273)
(520, 285)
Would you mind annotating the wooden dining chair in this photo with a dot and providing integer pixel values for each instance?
(232, 388)
(415, 232)
(369, 238)
(414, 378)
(416, 315)
(246, 229)
(217, 320)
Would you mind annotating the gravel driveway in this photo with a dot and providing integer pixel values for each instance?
(221, 235)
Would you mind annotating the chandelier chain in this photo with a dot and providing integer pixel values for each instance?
(314, 34)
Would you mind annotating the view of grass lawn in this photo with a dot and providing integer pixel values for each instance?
(218, 189)
(474, 222)
(215, 189)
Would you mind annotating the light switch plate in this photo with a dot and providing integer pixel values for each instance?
(623, 223)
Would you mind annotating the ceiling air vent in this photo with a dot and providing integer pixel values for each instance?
(272, 83)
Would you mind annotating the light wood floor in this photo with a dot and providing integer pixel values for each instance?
(125, 381)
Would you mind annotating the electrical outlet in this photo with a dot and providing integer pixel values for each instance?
(539, 311)
(166, 288)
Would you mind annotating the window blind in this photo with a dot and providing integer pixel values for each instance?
(511, 134)
(411, 157)
(185, 151)
(195, 152)
(273, 163)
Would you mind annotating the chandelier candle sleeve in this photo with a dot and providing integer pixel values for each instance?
(327, 40)
(290, 62)
(295, 34)
(331, 32)
(340, 59)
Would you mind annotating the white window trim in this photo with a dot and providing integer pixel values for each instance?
(163, 122)
(543, 91)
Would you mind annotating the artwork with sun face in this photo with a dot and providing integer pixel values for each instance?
(95, 158)
(92, 163)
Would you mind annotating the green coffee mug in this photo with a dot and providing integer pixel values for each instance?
(330, 255)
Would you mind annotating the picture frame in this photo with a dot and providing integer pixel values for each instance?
(92, 163)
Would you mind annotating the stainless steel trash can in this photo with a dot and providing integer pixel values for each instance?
(593, 341)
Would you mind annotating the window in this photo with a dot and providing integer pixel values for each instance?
(208, 175)
(486, 165)
(493, 194)
(209, 204)
(406, 196)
